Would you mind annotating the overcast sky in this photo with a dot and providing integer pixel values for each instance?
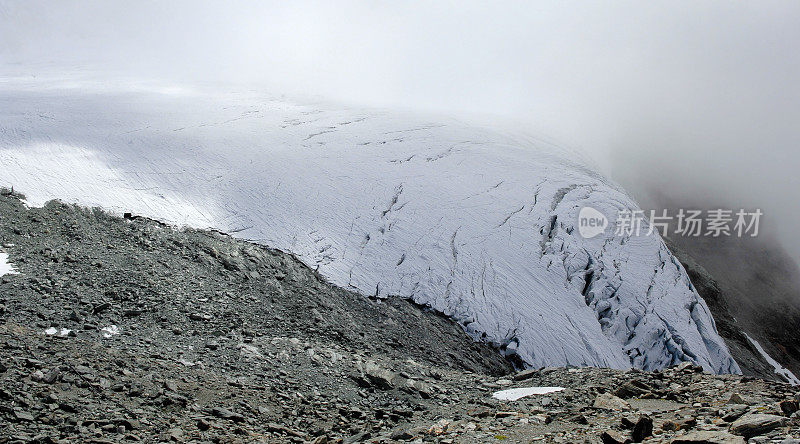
(698, 99)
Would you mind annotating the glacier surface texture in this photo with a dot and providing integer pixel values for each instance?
(477, 223)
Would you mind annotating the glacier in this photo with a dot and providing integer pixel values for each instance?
(476, 222)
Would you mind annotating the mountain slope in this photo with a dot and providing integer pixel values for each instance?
(478, 224)
(751, 287)
(122, 330)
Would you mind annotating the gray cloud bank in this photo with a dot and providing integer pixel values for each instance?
(697, 101)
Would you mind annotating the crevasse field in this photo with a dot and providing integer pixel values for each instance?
(477, 223)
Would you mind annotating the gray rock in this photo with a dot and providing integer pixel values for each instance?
(613, 437)
(22, 416)
(420, 387)
(708, 437)
(378, 376)
(789, 406)
(633, 388)
(611, 402)
(401, 434)
(756, 424)
(224, 413)
(642, 429)
(578, 419)
(200, 317)
(525, 374)
(679, 424)
(203, 424)
(734, 411)
(175, 434)
(737, 399)
(277, 428)
(358, 437)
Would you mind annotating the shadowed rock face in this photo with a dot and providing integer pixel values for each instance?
(752, 286)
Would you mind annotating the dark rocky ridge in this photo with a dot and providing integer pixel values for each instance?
(750, 286)
(745, 354)
(221, 340)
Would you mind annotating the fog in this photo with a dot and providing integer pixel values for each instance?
(699, 101)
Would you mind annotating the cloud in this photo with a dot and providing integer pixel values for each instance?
(698, 100)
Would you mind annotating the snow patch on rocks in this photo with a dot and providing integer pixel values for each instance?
(5, 266)
(521, 392)
(109, 331)
(779, 369)
(53, 331)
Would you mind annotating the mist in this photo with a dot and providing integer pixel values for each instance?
(695, 103)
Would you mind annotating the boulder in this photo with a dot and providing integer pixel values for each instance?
(378, 376)
(525, 374)
(613, 437)
(642, 429)
(610, 402)
(708, 437)
(632, 389)
(756, 424)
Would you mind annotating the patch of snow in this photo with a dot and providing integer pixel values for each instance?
(779, 369)
(5, 266)
(53, 331)
(109, 331)
(517, 393)
(478, 223)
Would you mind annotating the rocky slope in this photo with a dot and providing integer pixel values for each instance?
(124, 330)
(753, 288)
(747, 356)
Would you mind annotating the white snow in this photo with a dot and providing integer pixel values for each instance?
(52, 331)
(517, 393)
(5, 266)
(779, 369)
(109, 331)
(478, 223)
